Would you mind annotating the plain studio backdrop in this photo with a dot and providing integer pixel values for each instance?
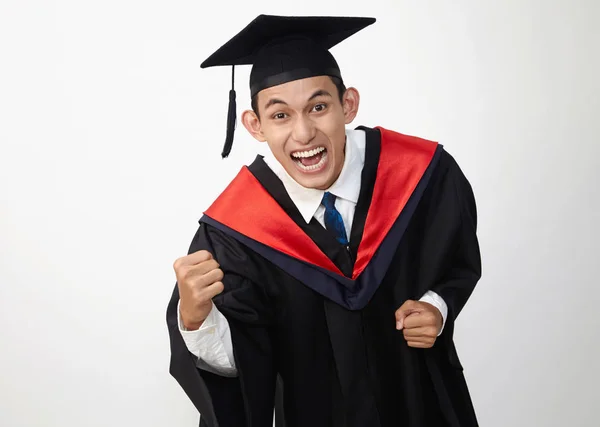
(111, 135)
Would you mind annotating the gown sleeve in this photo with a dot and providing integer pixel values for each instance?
(224, 401)
(450, 262)
(462, 268)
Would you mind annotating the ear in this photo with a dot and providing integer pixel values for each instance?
(252, 124)
(351, 100)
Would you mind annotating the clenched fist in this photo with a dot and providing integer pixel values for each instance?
(199, 280)
(421, 323)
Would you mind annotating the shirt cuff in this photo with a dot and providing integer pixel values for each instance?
(439, 303)
(211, 342)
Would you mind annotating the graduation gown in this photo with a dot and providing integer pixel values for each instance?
(312, 321)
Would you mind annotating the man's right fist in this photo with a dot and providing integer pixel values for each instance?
(199, 280)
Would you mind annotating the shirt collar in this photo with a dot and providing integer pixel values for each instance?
(347, 186)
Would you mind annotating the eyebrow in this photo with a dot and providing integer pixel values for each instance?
(319, 93)
(275, 101)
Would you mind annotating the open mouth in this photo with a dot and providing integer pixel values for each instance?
(310, 160)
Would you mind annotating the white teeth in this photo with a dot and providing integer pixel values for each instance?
(313, 167)
(309, 153)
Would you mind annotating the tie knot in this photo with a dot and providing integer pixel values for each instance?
(328, 200)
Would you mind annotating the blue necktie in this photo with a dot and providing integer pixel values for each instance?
(333, 219)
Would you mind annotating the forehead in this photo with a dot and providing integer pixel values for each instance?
(298, 90)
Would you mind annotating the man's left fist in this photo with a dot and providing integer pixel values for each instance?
(421, 323)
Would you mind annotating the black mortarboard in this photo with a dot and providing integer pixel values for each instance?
(282, 49)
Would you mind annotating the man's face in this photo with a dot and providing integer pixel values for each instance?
(303, 122)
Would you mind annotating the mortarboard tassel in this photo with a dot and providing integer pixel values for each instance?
(231, 117)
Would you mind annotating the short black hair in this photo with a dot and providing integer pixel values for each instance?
(339, 84)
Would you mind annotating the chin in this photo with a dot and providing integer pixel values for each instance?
(319, 182)
(314, 183)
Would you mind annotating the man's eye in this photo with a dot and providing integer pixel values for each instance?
(279, 116)
(319, 107)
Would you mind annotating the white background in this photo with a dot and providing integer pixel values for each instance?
(110, 136)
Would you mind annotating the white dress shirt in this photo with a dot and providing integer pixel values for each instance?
(212, 342)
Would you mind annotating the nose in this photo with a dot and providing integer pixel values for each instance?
(304, 130)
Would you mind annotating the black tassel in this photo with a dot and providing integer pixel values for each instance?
(231, 118)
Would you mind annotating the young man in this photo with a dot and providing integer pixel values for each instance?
(324, 282)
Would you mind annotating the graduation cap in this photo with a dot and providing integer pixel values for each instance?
(282, 49)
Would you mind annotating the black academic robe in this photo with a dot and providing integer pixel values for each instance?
(313, 324)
